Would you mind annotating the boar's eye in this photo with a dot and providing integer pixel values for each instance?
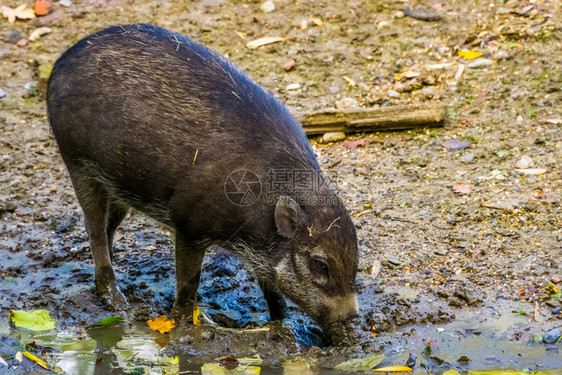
(319, 266)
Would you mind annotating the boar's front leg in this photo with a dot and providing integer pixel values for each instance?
(95, 203)
(275, 301)
(189, 257)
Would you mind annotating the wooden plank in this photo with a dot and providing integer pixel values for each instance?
(398, 117)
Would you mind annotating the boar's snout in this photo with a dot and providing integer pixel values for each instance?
(340, 310)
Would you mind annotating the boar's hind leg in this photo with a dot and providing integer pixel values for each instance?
(95, 204)
(275, 301)
(189, 257)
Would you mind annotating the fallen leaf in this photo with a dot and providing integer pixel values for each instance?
(554, 288)
(375, 269)
(196, 314)
(462, 188)
(393, 369)
(42, 7)
(352, 145)
(19, 357)
(228, 362)
(469, 55)
(17, 13)
(532, 171)
(317, 21)
(33, 320)
(264, 41)
(109, 321)
(456, 145)
(216, 369)
(359, 364)
(37, 33)
(37, 360)
(350, 82)
(537, 314)
(406, 74)
(161, 324)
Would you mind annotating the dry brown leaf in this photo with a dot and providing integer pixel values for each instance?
(265, 40)
(17, 13)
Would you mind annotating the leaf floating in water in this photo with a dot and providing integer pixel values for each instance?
(161, 324)
(37, 360)
(264, 41)
(393, 369)
(109, 321)
(216, 369)
(33, 320)
(359, 364)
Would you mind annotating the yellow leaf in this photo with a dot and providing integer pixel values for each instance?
(265, 40)
(452, 372)
(469, 55)
(554, 288)
(196, 314)
(393, 369)
(20, 12)
(161, 324)
(39, 361)
(350, 82)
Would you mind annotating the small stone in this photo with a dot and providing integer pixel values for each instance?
(14, 37)
(422, 213)
(399, 14)
(467, 158)
(293, 86)
(333, 137)
(347, 103)
(393, 93)
(334, 90)
(479, 63)
(37, 33)
(65, 3)
(428, 91)
(268, 6)
(2, 93)
(22, 43)
(525, 162)
(552, 336)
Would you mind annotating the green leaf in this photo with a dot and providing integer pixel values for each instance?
(107, 322)
(358, 364)
(33, 320)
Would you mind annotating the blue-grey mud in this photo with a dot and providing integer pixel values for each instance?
(461, 251)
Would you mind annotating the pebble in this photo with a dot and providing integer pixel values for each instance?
(552, 336)
(467, 158)
(37, 33)
(293, 86)
(393, 93)
(525, 162)
(333, 137)
(22, 43)
(557, 311)
(347, 103)
(480, 63)
(65, 3)
(422, 213)
(399, 14)
(268, 6)
(334, 90)
(14, 37)
(2, 93)
(428, 91)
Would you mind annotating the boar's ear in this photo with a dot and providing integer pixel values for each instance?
(288, 215)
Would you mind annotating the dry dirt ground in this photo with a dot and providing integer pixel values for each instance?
(472, 237)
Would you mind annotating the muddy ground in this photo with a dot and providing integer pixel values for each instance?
(477, 263)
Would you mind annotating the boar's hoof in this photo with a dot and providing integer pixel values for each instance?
(183, 314)
(113, 297)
